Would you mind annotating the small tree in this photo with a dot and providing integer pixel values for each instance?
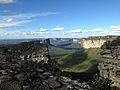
(100, 83)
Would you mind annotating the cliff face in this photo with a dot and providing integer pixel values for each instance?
(89, 43)
(27, 66)
(110, 68)
(96, 42)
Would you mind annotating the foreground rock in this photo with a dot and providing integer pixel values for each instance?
(26, 66)
(110, 68)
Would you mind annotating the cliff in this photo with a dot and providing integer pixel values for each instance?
(110, 68)
(92, 43)
(96, 42)
(27, 66)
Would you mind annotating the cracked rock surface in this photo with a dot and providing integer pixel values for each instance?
(20, 70)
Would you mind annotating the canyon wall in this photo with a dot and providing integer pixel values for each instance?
(91, 43)
(96, 42)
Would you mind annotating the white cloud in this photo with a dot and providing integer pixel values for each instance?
(57, 28)
(116, 28)
(29, 15)
(7, 1)
(74, 34)
(43, 32)
(76, 31)
(14, 23)
(2, 32)
(5, 11)
(43, 29)
(94, 30)
(105, 32)
(64, 33)
(9, 20)
(21, 19)
(84, 31)
(23, 33)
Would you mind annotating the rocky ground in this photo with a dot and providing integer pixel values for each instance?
(17, 73)
(110, 67)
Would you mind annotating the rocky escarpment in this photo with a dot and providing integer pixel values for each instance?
(96, 42)
(110, 68)
(90, 43)
(26, 66)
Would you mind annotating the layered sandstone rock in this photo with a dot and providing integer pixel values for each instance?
(89, 43)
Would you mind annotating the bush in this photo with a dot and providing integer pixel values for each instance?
(100, 83)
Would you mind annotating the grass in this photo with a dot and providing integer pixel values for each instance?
(73, 46)
(57, 53)
(92, 59)
(72, 61)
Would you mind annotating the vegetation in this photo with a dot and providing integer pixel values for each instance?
(73, 59)
(100, 83)
(23, 48)
(57, 53)
(76, 61)
(93, 58)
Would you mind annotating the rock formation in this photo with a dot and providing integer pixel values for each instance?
(92, 43)
(27, 66)
(110, 68)
(96, 42)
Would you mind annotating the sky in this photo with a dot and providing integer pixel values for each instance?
(58, 18)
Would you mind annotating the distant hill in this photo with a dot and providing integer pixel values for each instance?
(60, 41)
(15, 41)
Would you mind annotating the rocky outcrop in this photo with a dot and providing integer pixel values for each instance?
(29, 76)
(91, 43)
(112, 52)
(96, 42)
(26, 66)
(110, 68)
(34, 51)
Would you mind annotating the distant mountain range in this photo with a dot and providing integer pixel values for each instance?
(15, 41)
(90, 42)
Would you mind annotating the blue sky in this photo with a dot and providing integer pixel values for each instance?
(59, 18)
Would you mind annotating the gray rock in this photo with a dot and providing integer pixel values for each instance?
(40, 70)
(3, 72)
(41, 87)
(4, 78)
(20, 76)
(52, 83)
(26, 87)
(11, 85)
